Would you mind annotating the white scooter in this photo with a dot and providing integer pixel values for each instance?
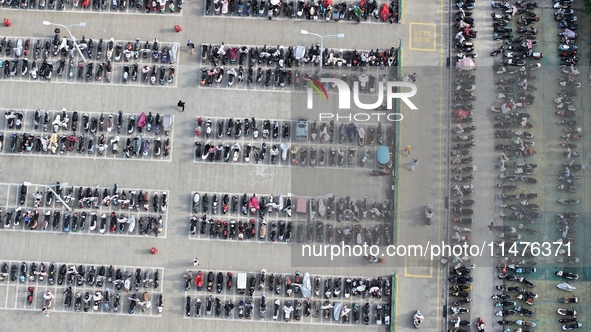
(287, 310)
(276, 309)
(131, 224)
(97, 298)
(103, 224)
(48, 296)
(56, 123)
(284, 151)
(235, 152)
(231, 76)
(127, 284)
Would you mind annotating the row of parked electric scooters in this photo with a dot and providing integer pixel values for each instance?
(571, 128)
(244, 286)
(464, 86)
(296, 285)
(114, 223)
(109, 50)
(308, 310)
(568, 82)
(97, 5)
(322, 10)
(79, 276)
(87, 145)
(66, 68)
(90, 72)
(93, 125)
(237, 129)
(283, 154)
(506, 308)
(348, 133)
(277, 206)
(528, 211)
(516, 144)
(283, 231)
(93, 197)
(80, 285)
(290, 56)
(30, 214)
(89, 122)
(281, 78)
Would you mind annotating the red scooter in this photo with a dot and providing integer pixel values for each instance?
(385, 12)
(199, 280)
(30, 296)
(198, 124)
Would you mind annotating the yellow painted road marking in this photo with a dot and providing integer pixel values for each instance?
(418, 267)
(422, 37)
(421, 276)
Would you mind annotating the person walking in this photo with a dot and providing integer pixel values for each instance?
(181, 104)
(480, 325)
(413, 164)
(408, 149)
(191, 46)
(45, 312)
(491, 227)
(196, 262)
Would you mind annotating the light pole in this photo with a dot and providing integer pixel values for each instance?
(305, 32)
(81, 24)
(65, 184)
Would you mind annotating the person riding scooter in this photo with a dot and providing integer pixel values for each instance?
(429, 213)
(375, 259)
(418, 319)
(480, 325)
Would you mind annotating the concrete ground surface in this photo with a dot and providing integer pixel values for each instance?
(424, 32)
